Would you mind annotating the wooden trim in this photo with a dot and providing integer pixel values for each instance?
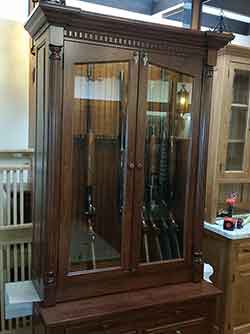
(235, 51)
(202, 168)
(53, 182)
(83, 21)
(89, 309)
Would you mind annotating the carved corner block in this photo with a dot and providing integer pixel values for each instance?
(55, 52)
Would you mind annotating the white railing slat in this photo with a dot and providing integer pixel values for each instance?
(15, 197)
(1, 199)
(15, 255)
(21, 197)
(15, 250)
(8, 197)
(29, 259)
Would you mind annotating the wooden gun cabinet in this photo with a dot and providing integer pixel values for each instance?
(122, 114)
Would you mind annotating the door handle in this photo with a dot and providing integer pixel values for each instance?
(131, 165)
(139, 165)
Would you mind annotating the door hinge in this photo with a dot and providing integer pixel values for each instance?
(136, 57)
(50, 278)
(145, 59)
(198, 258)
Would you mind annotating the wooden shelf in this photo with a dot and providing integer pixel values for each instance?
(239, 105)
(236, 141)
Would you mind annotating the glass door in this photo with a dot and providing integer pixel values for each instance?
(164, 143)
(98, 151)
(236, 155)
(98, 174)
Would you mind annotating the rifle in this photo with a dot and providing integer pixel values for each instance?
(165, 240)
(145, 230)
(152, 165)
(153, 207)
(122, 140)
(90, 210)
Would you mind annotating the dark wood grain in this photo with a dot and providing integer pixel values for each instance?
(126, 297)
(101, 307)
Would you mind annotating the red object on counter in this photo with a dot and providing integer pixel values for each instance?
(229, 223)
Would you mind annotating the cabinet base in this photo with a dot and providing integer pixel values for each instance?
(184, 308)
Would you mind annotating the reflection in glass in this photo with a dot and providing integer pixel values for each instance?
(238, 121)
(235, 154)
(167, 150)
(241, 87)
(99, 145)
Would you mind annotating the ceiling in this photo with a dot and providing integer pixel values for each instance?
(178, 10)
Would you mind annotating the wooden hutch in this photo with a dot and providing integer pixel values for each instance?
(229, 171)
(229, 139)
(122, 115)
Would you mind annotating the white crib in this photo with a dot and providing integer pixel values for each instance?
(15, 230)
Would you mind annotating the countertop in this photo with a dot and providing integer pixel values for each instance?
(237, 234)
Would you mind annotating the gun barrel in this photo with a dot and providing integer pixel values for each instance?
(90, 143)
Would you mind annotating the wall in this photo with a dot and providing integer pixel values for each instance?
(242, 40)
(141, 6)
(14, 70)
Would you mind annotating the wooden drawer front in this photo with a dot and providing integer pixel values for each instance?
(157, 316)
(130, 323)
(196, 326)
(244, 255)
(98, 330)
(84, 330)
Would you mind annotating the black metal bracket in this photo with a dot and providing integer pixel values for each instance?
(50, 278)
(198, 258)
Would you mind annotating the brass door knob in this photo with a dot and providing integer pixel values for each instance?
(178, 332)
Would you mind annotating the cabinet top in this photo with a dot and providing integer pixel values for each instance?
(47, 14)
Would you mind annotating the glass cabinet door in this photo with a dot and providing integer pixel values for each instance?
(98, 141)
(237, 145)
(99, 148)
(127, 148)
(167, 149)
